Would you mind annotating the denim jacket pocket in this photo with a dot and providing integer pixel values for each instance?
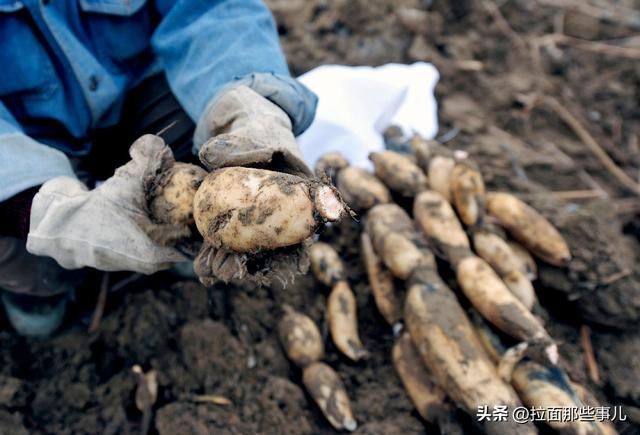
(10, 5)
(120, 29)
(113, 7)
(26, 70)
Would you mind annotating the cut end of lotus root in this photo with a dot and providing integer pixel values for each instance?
(397, 329)
(460, 155)
(350, 424)
(510, 359)
(329, 204)
(551, 352)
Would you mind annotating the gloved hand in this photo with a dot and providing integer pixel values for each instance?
(246, 129)
(107, 228)
(243, 128)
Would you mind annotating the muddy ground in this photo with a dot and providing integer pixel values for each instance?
(222, 341)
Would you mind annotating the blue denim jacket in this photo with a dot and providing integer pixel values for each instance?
(66, 64)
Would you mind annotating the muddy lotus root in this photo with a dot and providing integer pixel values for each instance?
(501, 257)
(173, 193)
(399, 172)
(326, 265)
(360, 189)
(381, 282)
(300, 337)
(250, 210)
(467, 192)
(450, 349)
(329, 164)
(327, 390)
(529, 227)
(342, 314)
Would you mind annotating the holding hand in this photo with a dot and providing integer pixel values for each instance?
(255, 221)
(108, 228)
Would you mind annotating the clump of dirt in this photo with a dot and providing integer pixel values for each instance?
(602, 281)
(610, 348)
(223, 340)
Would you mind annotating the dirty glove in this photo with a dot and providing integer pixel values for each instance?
(107, 228)
(244, 126)
(247, 129)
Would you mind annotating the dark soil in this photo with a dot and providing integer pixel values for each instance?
(223, 340)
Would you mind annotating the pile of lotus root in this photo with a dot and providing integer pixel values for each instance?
(494, 353)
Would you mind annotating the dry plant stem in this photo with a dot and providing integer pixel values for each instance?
(503, 24)
(582, 133)
(590, 181)
(551, 102)
(146, 395)
(628, 206)
(592, 46)
(615, 277)
(100, 304)
(123, 283)
(211, 398)
(566, 195)
(608, 11)
(589, 356)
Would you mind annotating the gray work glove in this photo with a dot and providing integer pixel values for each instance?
(107, 228)
(246, 129)
(243, 128)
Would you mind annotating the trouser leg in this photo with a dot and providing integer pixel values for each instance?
(34, 289)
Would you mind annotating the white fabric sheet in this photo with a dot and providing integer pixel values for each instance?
(358, 103)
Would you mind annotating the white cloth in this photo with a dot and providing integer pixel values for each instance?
(356, 105)
(107, 228)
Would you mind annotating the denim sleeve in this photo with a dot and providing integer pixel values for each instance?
(25, 163)
(205, 44)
